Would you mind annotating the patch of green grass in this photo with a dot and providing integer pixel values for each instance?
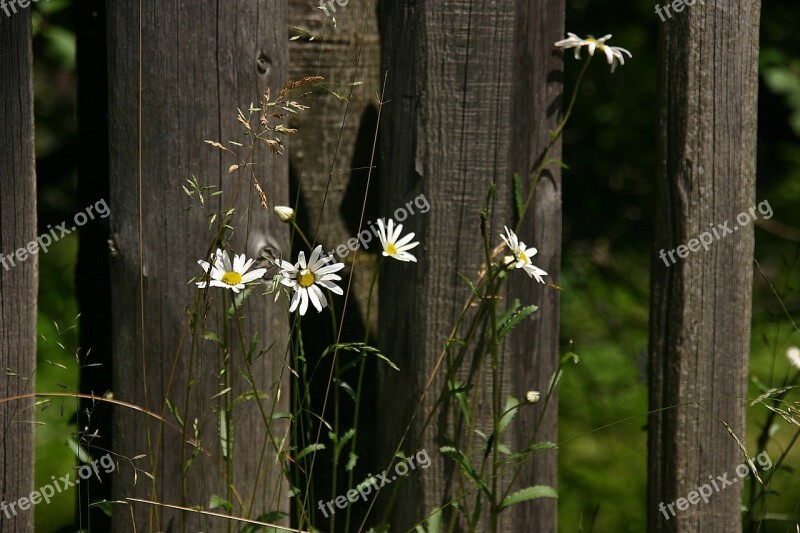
(56, 372)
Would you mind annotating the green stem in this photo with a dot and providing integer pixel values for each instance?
(543, 162)
(302, 235)
(226, 363)
(360, 383)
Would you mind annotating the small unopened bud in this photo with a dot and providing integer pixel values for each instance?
(286, 214)
(532, 396)
(793, 353)
(509, 262)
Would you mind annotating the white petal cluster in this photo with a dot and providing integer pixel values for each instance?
(615, 55)
(393, 245)
(229, 276)
(307, 278)
(522, 255)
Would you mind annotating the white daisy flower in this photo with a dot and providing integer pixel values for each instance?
(532, 396)
(392, 247)
(227, 276)
(307, 278)
(793, 354)
(286, 214)
(614, 54)
(522, 255)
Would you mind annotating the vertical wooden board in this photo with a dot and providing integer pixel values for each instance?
(534, 347)
(178, 72)
(701, 305)
(19, 280)
(455, 120)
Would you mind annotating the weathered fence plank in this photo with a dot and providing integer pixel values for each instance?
(179, 71)
(701, 304)
(472, 95)
(19, 279)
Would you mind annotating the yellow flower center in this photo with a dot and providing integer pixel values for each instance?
(391, 249)
(306, 278)
(600, 46)
(524, 257)
(232, 278)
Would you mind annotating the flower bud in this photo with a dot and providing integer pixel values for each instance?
(286, 214)
(793, 353)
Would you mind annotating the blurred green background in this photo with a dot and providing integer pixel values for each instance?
(608, 195)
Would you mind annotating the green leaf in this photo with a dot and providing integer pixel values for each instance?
(211, 336)
(463, 463)
(53, 6)
(530, 493)
(554, 381)
(252, 350)
(79, 451)
(351, 462)
(217, 502)
(519, 203)
(569, 356)
(271, 518)
(310, 449)
(512, 317)
(175, 413)
(470, 284)
(509, 412)
(459, 390)
(221, 393)
(250, 395)
(362, 348)
(59, 46)
(433, 524)
(527, 451)
(347, 388)
(560, 163)
(225, 441)
(339, 443)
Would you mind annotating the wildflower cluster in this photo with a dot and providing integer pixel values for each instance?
(307, 279)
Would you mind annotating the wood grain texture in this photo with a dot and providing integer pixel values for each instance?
(534, 347)
(330, 161)
(701, 306)
(473, 92)
(199, 62)
(19, 280)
